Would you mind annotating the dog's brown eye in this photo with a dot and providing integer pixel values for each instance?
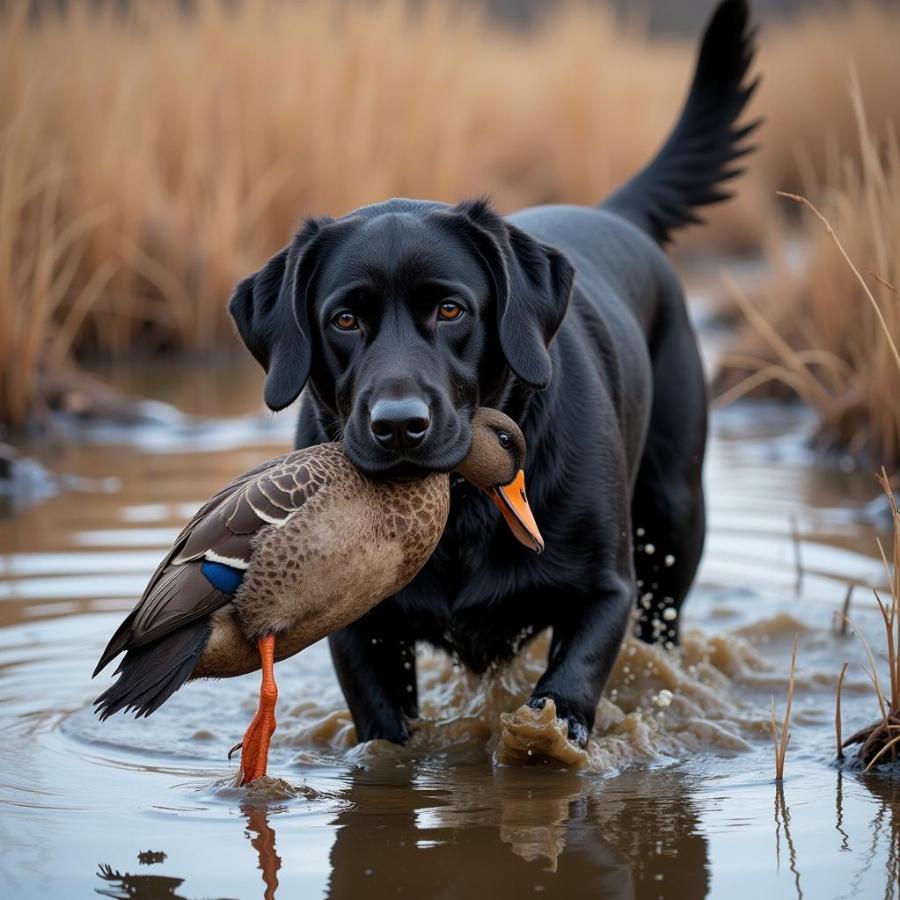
(449, 311)
(345, 321)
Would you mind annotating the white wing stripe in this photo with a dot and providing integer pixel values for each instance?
(261, 487)
(233, 561)
(271, 520)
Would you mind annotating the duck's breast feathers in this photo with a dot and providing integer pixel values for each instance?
(206, 564)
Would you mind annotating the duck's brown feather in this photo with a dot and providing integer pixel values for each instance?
(178, 593)
(355, 543)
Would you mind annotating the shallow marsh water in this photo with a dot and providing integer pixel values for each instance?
(678, 799)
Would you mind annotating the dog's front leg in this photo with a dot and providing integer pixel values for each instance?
(375, 661)
(587, 636)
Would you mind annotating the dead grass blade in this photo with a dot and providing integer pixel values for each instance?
(837, 713)
(781, 744)
(876, 308)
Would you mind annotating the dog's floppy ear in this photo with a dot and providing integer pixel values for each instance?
(533, 284)
(270, 311)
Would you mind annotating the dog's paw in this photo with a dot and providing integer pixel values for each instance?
(535, 734)
(578, 733)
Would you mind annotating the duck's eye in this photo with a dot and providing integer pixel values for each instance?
(448, 311)
(345, 321)
(505, 440)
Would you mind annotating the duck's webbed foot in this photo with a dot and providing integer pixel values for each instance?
(255, 745)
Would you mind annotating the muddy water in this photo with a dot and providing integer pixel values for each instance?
(677, 799)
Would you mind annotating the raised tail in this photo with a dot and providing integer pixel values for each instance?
(698, 157)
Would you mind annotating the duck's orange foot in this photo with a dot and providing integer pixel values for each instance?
(255, 746)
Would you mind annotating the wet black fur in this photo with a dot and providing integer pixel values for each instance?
(575, 324)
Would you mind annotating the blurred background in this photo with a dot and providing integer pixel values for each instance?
(153, 153)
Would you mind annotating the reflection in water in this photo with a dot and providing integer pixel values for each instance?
(884, 844)
(125, 886)
(839, 811)
(262, 838)
(507, 832)
(783, 823)
(423, 831)
(145, 887)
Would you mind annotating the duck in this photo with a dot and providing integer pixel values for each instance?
(286, 554)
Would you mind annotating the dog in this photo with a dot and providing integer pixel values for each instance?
(397, 320)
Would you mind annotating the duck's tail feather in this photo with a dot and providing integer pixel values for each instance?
(177, 595)
(699, 157)
(149, 675)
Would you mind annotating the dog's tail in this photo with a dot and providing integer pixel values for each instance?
(693, 164)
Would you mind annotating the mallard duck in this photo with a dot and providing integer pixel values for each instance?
(286, 554)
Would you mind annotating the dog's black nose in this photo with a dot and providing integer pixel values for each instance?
(400, 424)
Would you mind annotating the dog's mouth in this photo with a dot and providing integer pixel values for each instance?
(438, 455)
(403, 467)
(402, 471)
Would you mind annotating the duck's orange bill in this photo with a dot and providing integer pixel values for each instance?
(513, 503)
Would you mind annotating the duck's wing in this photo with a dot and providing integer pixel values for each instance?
(206, 563)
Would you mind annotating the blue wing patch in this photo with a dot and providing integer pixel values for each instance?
(223, 578)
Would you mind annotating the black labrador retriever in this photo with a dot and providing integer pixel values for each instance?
(399, 319)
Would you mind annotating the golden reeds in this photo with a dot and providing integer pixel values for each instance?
(838, 725)
(175, 152)
(781, 743)
(149, 159)
(884, 736)
(827, 335)
(44, 291)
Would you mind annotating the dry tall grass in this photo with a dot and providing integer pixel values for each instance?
(148, 160)
(831, 332)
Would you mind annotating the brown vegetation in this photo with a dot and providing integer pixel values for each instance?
(883, 738)
(781, 742)
(830, 333)
(148, 160)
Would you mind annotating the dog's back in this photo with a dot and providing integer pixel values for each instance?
(625, 412)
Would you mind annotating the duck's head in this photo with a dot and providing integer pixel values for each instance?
(495, 463)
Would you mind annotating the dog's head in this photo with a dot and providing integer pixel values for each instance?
(404, 317)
